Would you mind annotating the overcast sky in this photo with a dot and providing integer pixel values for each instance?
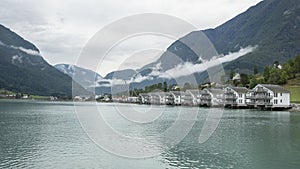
(60, 29)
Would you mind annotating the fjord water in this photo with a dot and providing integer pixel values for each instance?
(49, 135)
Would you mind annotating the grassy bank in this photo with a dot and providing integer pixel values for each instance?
(294, 86)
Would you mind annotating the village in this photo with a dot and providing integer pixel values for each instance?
(262, 96)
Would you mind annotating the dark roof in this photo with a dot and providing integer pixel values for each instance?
(215, 91)
(195, 92)
(144, 94)
(178, 93)
(240, 89)
(275, 88)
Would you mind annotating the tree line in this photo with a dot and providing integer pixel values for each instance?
(277, 73)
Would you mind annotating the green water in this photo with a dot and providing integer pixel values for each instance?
(49, 135)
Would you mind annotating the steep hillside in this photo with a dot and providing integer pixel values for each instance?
(23, 69)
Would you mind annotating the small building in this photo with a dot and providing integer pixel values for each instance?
(175, 97)
(169, 99)
(187, 99)
(212, 97)
(133, 99)
(157, 98)
(144, 98)
(269, 96)
(205, 98)
(235, 97)
(154, 98)
(196, 96)
(162, 97)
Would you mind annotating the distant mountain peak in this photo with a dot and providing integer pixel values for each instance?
(85, 77)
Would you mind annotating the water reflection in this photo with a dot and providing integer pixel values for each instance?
(48, 135)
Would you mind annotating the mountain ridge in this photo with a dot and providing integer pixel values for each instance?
(24, 70)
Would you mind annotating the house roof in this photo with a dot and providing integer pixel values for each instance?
(195, 92)
(240, 89)
(275, 88)
(158, 93)
(215, 91)
(178, 93)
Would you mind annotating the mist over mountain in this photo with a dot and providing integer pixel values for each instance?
(266, 32)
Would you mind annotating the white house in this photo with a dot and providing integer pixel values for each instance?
(196, 96)
(175, 96)
(187, 99)
(162, 97)
(212, 97)
(154, 98)
(235, 96)
(157, 97)
(270, 96)
(144, 98)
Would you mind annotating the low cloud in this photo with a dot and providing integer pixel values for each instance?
(184, 69)
(27, 51)
(188, 68)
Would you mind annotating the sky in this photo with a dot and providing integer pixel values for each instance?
(60, 29)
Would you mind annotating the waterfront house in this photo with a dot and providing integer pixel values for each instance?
(154, 98)
(212, 97)
(175, 98)
(205, 98)
(157, 97)
(169, 99)
(144, 98)
(186, 99)
(196, 96)
(235, 96)
(162, 97)
(268, 96)
(133, 99)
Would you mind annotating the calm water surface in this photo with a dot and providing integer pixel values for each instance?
(49, 135)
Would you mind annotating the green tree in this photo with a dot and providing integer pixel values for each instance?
(255, 70)
(244, 79)
(289, 70)
(253, 82)
(283, 77)
(165, 86)
(297, 64)
(266, 73)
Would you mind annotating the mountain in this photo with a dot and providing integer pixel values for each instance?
(23, 69)
(266, 32)
(85, 77)
(272, 25)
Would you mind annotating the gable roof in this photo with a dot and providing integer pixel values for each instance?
(275, 88)
(215, 91)
(194, 92)
(240, 89)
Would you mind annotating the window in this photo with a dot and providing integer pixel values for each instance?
(280, 101)
(240, 101)
(280, 94)
(275, 94)
(275, 101)
(240, 95)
